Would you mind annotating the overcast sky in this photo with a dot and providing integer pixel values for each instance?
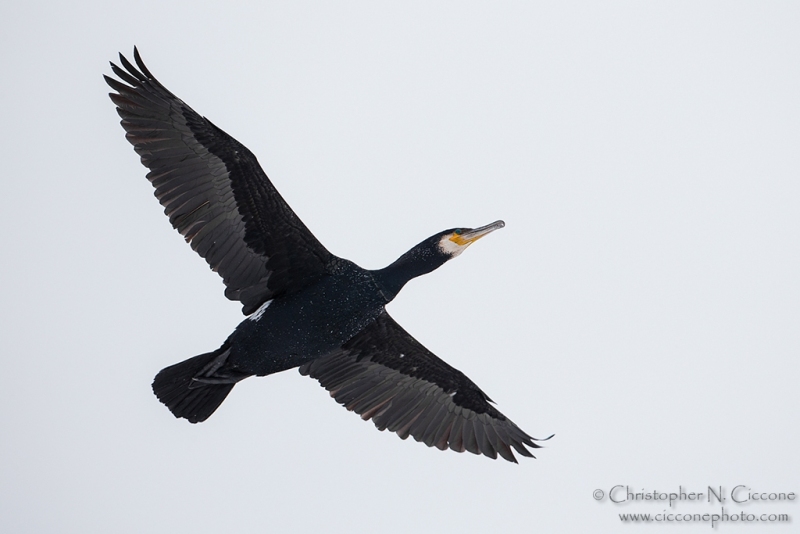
(642, 303)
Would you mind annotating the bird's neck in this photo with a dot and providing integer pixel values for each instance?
(413, 263)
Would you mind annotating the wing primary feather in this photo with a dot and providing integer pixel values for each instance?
(131, 69)
(117, 85)
(138, 59)
(499, 445)
(127, 78)
(520, 448)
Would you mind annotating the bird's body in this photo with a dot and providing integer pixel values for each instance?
(303, 326)
(306, 307)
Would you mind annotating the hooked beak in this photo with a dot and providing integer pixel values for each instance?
(473, 235)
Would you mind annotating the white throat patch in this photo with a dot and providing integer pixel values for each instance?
(451, 248)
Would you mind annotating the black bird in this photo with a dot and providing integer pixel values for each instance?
(305, 306)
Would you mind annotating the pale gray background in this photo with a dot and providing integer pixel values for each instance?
(642, 302)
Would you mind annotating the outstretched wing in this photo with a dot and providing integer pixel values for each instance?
(215, 193)
(385, 374)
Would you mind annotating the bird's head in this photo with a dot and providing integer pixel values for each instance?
(453, 242)
(428, 256)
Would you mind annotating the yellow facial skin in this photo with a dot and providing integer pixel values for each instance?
(458, 239)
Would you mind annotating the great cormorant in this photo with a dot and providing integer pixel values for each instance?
(306, 307)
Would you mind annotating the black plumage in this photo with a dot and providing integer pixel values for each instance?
(307, 308)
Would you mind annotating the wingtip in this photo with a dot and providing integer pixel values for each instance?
(138, 59)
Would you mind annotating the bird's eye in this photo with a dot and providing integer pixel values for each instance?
(458, 232)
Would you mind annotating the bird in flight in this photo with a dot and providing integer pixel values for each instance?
(305, 307)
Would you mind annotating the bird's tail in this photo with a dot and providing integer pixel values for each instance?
(194, 388)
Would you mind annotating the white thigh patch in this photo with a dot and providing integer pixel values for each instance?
(259, 312)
